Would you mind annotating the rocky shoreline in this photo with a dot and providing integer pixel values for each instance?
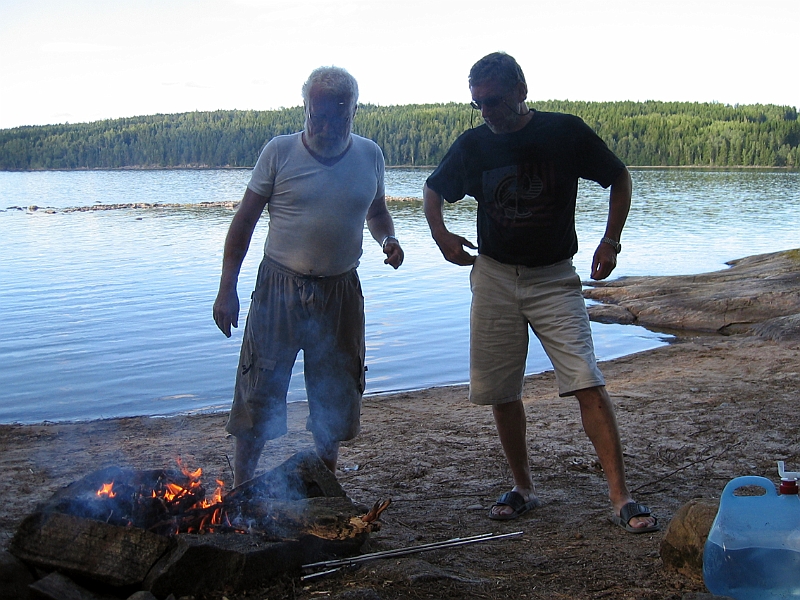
(230, 205)
(758, 294)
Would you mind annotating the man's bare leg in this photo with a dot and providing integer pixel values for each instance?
(245, 459)
(600, 424)
(511, 424)
(328, 452)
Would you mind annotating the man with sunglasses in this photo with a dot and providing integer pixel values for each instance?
(522, 166)
(319, 186)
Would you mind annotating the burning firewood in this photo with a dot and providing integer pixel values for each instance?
(376, 510)
(124, 527)
(174, 503)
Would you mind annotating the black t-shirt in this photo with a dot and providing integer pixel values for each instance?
(526, 184)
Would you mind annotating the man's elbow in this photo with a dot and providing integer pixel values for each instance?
(431, 197)
(622, 188)
(627, 175)
(624, 179)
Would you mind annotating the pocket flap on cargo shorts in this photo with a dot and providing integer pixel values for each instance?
(265, 364)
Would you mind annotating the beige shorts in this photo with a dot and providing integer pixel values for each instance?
(506, 300)
(324, 317)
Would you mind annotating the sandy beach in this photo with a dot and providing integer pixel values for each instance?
(692, 415)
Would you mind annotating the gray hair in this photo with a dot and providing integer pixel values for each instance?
(333, 81)
(499, 67)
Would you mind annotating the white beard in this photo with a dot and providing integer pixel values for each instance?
(327, 147)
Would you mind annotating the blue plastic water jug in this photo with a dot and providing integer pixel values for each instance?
(753, 548)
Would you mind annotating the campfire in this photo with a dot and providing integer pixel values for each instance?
(164, 502)
(162, 530)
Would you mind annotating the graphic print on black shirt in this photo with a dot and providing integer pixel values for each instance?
(518, 195)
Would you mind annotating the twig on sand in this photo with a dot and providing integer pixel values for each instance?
(684, 467)
(230, 466)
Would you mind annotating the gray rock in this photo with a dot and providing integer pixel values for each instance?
(755, 289)
(611, 313)
(780, 329)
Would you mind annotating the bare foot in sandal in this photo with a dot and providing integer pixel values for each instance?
(513, 504)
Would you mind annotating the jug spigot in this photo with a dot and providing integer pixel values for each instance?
(786, 474)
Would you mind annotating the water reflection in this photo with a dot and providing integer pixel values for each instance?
(109, 313)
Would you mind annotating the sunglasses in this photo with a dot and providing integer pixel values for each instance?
(492, 102)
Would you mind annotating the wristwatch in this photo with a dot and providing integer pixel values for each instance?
(386, 239)
(613, 243)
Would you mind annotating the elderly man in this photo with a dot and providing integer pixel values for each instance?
(522, 166)
(319, 186)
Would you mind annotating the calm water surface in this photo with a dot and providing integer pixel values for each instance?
(108, 313)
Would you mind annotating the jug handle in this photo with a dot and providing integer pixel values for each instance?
(755, 480)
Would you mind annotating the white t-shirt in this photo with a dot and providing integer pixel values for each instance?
(317, 212)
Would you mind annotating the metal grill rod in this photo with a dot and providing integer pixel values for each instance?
(343, 562)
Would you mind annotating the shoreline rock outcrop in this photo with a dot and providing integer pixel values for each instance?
(758, 294)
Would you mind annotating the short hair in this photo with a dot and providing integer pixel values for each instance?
(499, 67)
(333, 81)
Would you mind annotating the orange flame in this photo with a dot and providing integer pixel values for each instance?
(193, 475)
(171, 492)
(106, 490)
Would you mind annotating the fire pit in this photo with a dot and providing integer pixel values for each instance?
(159, 530)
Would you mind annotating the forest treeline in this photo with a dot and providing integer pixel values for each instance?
(640, 133)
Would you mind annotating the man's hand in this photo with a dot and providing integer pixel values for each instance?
(226, 311)
(394, 253)
(452, 247)
(604, 261)
(226, 306)
(619, 203)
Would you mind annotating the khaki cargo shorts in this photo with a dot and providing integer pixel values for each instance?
(506, 300)
(324, 317)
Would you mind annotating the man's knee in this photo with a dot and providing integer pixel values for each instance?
(594, 398)
(597, 392)
(506, 408)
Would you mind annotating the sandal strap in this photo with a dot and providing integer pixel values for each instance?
(514, 500)
(633, 509)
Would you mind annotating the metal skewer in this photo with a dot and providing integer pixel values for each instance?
(344, 562)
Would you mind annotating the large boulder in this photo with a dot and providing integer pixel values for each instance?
(754, 290)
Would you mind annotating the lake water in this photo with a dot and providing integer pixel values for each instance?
(108, 313)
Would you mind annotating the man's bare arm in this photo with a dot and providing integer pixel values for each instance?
(451, 245)
(381, 226)
(237, 242)
(619, 204)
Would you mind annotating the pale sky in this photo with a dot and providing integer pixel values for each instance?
(84, 60)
